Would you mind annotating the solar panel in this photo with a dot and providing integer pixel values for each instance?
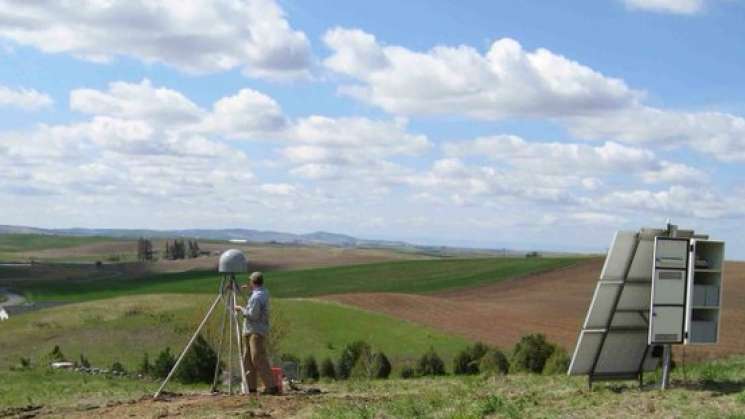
(613, 339)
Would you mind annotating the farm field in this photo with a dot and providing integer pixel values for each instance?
(401, 276)
(553, 303)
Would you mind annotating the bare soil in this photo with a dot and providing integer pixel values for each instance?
(553, 303)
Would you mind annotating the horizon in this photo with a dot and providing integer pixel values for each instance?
(489, 123)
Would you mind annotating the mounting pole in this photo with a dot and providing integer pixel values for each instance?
(666, 357)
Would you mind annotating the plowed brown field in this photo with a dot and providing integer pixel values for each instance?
(553, 303)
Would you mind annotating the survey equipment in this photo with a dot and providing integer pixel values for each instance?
(657, 288)
(231, 263)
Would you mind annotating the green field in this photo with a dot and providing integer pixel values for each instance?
(403, 277)
(122, 329)
(30, 242)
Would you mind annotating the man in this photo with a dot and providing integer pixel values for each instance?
(255, 331)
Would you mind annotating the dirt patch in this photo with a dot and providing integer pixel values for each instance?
(554, 303)
(202, 406)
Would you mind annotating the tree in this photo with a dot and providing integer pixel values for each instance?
(144, 250)
(145, 367)
(349, 357)
(309, 370)
(198, 364)
(168, 254)
(430, 364)
(494, 362)
(530, 353)
(193, 249)
(163, 363)
(84, 362)
(327, 369)
(381, 366)
(117, 367)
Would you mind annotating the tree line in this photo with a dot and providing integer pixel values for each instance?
(176, 249)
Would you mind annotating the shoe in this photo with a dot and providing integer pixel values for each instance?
(252, 390)
(271, 391)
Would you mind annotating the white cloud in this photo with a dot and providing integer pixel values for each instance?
(673, 201)
(246, 115)
(680, 7)
(26, 99)
(717, 134)
(136, 101)
(571, 159)
(195, 36)
(506, 81)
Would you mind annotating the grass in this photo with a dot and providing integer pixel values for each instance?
(461, 397)
(122, 329)
(422, 276)
(30, 242)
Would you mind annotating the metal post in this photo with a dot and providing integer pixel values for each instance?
(666, 357)
(188, 345)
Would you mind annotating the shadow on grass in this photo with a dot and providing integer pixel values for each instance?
(718, 387)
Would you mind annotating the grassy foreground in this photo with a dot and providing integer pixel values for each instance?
(695, 394)
(420, 276)
(122, 329)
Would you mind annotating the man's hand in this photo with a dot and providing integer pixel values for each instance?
(238, 308)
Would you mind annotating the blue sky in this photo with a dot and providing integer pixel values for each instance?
(526, 124)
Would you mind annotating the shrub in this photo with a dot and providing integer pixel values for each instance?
(117, 367)
(25, 363)
(163, 363)
(327, 369)
(286, 357)
(430, 364)
(467, 360)
(557, 363)
(407, 372)
(56, 355)
(349, 357)
(198, 364)
(84, 362)
(531, 353)
(309, 370)
(463, 364)
(381, 366)
(145, 367)
(494, 362)
(477, 351)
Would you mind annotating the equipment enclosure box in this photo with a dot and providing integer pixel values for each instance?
(704, 292)
(686, 291)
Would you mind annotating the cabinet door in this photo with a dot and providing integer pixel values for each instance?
(667, 324)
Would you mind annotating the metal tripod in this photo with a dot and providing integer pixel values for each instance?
(230, 331)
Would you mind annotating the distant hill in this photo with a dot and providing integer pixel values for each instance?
(260, 236)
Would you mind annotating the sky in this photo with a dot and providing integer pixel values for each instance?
(532, 125)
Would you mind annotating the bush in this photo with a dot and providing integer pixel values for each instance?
(494, 362)
(467, 360)
(557, 363)
(381, 366)
(117, 367)
(309, 370)
(198, 365)
(84, 363)
(285, 357)
(145, 367)
(25, 363)
(430, 364)
(463, 364)
(349, 357)
(163, 363)
(56, 355)
(407, 372)
(327, 369)
(531, 353)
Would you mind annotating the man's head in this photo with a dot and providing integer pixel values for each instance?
(256, 279)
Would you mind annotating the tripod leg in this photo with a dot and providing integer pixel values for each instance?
(244, 384)
(230, 343)
(188, 345)
(219, 347)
